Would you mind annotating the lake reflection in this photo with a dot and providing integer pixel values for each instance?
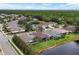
(71, 48)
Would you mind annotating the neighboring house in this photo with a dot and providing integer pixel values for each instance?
(30, 36)
(41, 35)
(56, 32)
(13, 27)
(2, 16)
(9, 17)
(61, 31)
(26, 37)
(70, 28)
(22, 18)
(48, 25)
(53, 34)
(35, 19)
(77, 29)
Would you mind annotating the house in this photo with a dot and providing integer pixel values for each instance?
(56, 32)
(2, 16)
(35, 19)
(61, 31)
(13, 27)
(22, 18)
(48, 25)
(26, 37)
(30, 36)
(70, 28)
(53, 34)
(77, 29)
(41, 35)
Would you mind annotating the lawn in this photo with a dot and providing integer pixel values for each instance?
(37, 48)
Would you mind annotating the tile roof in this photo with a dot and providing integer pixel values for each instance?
(40, 35)
(13, 25)
(26, 37)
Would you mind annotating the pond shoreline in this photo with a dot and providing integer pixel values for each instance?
(53, 47)
(71, 48)
(60, 42)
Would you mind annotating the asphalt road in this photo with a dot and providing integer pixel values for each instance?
(6, 47)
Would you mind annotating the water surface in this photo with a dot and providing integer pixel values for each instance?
(71, 48)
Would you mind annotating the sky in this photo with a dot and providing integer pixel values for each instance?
(40, 6)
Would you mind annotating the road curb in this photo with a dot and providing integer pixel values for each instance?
(15, 47)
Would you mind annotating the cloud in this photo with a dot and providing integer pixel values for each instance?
(40, 6)
(71, 6)
(46, 4)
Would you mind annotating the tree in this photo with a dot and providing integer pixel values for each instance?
(39, 17)
(55, 19)
(28, 27)
(24, 47)
(27, 49)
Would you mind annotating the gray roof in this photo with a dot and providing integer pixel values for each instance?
(56, 32)
(13, 26)
(70, 28)
(22, 18)
(53, 33)
(40, 35)
(26, 37)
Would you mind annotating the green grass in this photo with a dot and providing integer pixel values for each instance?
(37, 48)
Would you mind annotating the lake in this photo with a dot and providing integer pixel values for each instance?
(71, 48)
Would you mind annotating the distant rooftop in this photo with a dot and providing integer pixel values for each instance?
(13, 25)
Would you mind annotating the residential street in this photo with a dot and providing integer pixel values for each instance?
(6, 47)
